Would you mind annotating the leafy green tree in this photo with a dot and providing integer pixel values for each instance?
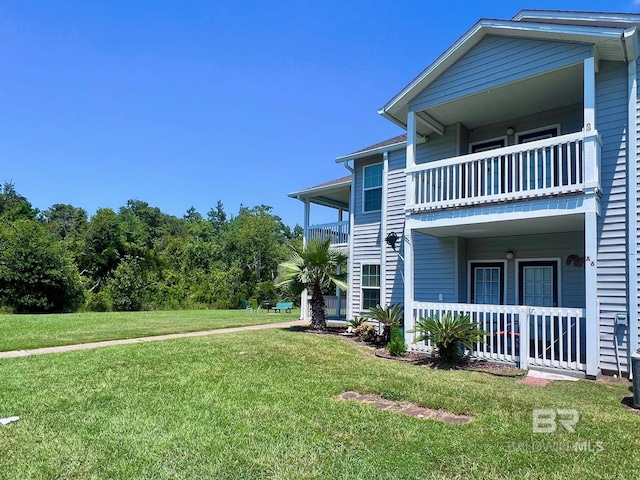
(218, 217)
(129, 286)
(14, 206)
(36, 272)
(316, 268)
(192, 215)
(256, 239)
(105, 247)
(66, 220)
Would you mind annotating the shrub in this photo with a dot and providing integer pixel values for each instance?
(356, 321)
(98, 302)
(449, 334)
(367, 333)
(396, 346)
(389, 316)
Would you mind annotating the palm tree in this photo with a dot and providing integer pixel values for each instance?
(315, 267)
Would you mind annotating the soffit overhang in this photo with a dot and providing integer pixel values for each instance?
(610, 44)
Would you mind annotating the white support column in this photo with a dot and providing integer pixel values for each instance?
(592, 330)
(352, 208)
(383, 229)
(338, 291)
(524, 320)
(304, 298)
(411, 156)
(408, 284)
(589, 94)
(307, 211)
(632, 213)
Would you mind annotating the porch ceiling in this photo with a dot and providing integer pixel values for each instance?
(508, 228)
(552, 90)
(334, 194)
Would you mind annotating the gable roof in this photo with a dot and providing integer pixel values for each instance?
(394, 143)
(614, 36)
(334, 193)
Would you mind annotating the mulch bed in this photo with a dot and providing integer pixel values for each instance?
(420, 359)
(406, 408)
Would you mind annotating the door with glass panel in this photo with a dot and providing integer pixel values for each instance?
(538, 283)
(487, 287)
(487, 283)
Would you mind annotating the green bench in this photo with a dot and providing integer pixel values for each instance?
(286, 306)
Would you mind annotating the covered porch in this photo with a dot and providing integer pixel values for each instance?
(526, 277)
(329, 199)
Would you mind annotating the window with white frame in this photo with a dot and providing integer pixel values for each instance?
(372, 195)
(370, 286)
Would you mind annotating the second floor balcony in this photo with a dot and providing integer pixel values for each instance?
(337, 232)
(565, 164)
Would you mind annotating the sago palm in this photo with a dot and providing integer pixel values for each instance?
(449, 334)
(314, 268)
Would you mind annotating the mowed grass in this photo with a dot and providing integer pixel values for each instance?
(23, 332)
(262, 405)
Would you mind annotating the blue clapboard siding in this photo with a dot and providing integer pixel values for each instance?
(496, 61)
(438, 147)
(365, 235)
(570, 119)
(611, 122)
(396, 194)
(534, 247)
(434, 268)
(462, 269)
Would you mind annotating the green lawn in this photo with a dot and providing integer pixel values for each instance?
(20, 332)
(262, 405)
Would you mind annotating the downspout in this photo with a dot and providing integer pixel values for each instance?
(383, 229)
(352, 206)
(632, 195)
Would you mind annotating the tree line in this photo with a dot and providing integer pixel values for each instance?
(137, 258)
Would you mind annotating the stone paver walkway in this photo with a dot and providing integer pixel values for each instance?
(406, 408)
(156, 338)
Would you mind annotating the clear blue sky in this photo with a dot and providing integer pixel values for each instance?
(188, 102)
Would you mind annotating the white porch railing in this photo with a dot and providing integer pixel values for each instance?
(336, 307)
(542, 336)
(338, 232)
(545, 167)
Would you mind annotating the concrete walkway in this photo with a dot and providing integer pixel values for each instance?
(156, 338)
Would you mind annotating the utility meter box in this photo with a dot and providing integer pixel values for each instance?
(635, 368)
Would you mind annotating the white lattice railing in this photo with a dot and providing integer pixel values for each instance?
(338, 232)
(552, 166)
(542, 336)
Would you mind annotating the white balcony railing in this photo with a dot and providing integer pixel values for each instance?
(338, 232)
(552, 166)
(525, 335)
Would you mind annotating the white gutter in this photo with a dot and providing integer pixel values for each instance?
(560, 15)
(373, 151)
(325, 188)
(383, 228)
